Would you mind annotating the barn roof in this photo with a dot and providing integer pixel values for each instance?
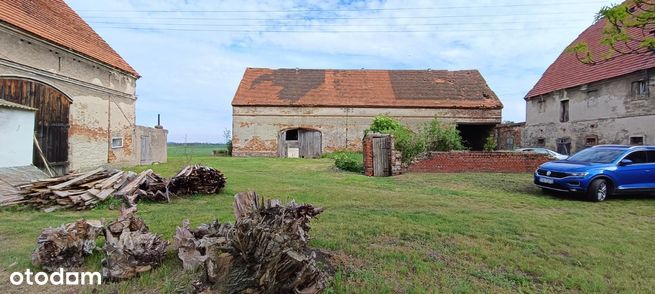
(56, 22)
(567, 71)
(365, 88)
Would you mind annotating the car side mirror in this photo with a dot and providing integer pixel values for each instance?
(625, 162)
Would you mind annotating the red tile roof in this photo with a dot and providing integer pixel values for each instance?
(567, 71)
(54, 21)
(365, 88)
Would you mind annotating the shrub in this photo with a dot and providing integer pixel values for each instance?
(348, 162)
(490, 144)
(384, 124)
(229, 147)
(439, 136)
(408, 143)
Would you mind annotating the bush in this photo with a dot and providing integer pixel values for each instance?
(441, 137)
(348, 162)
(229, 147)
(408, 143)
(384, 124)
(490, 144)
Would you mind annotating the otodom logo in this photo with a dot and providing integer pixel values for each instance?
(55, 278)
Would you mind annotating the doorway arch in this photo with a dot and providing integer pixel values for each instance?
(300, 142)
(52, 117)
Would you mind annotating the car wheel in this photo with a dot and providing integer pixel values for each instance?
(599, 189)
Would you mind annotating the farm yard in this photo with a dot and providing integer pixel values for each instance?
(411, 233)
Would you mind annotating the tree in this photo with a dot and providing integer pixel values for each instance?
(630, 29)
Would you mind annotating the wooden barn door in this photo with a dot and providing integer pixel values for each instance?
(51, 126)
(310, 143)
(381, 157)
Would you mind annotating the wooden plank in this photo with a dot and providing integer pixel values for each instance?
(75, 180)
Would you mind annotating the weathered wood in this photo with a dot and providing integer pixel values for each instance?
(265, 251)
(75, 180)
(66, 246)
(196, 179)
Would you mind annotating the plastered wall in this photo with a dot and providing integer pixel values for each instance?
(606, 110)
(255, 129)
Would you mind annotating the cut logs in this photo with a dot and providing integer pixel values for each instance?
(265, 251)
(147, 185)
(194, 179)
(66, 246)
(130, 248)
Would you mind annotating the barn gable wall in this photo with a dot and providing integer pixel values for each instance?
(255, 129)
(103, 97)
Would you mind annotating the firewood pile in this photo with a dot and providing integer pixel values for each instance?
(84, 190)
(130, 248)
(195, 179)
(265, 251)
(66, 246)
(147, 185)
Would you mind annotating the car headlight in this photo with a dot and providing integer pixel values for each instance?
(578, 174)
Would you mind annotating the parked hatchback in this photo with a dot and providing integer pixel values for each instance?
(601, 171)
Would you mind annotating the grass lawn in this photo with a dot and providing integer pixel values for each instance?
(412, 233)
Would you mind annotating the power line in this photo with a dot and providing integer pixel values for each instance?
(323, 24)
(292, 10)
(341, 18)
(334, 31)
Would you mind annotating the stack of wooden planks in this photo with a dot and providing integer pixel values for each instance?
(84, 190)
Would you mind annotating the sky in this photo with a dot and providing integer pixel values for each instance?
(192, 54)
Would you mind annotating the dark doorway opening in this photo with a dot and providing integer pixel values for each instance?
(474, 135)
(51, 126)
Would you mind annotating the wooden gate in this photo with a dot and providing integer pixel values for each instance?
(145, 150)
(51, 127)
(303, 143)
(382, 156)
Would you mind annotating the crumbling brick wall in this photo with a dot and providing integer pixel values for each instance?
(395, 157)
(509, 136)
(501, 162)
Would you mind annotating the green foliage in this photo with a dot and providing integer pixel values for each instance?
(345, 161)
(384, 124)
(621, 19)
(229, 147)
(439, 136)
(490, 144)
(433, 136)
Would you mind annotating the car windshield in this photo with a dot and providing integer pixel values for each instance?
(597, 155)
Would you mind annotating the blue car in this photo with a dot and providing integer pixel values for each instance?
(601, 171)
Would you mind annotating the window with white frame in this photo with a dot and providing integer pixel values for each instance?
(117, 142)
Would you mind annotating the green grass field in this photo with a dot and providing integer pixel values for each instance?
(413, 233)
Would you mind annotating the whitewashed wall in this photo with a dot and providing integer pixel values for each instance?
(16, 129)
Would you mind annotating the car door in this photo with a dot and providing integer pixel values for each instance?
(634, 176)
(650, 172)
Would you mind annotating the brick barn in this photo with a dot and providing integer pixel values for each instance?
(308, 112)
(82, 90)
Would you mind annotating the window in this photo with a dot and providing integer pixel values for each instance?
(651, 156)
(637, 140)
(638, 157)
(509, 143)
(639, 88)
(564, 114)
(591, 141)
(541, 142)
(564, 146)
(117, 142)
(291, 135)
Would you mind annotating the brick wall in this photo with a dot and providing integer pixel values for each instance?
(395, 157)
(503, 162)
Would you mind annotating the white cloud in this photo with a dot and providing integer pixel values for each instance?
(190, 76)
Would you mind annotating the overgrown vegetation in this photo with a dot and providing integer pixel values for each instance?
(347, 161)
(490, 144)
(415, 233)
(432, 136)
